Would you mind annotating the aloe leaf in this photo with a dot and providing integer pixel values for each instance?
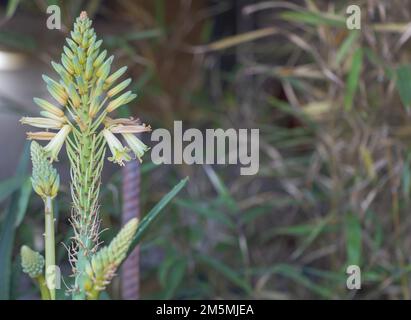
(8, 231)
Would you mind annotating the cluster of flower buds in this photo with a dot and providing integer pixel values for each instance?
(32, 262)
(44, 178)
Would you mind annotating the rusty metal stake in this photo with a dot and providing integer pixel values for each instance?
(130, 272)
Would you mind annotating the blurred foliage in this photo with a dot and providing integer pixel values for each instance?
(334, 183)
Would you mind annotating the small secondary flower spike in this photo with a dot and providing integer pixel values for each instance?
(32, 263)
(81, 118)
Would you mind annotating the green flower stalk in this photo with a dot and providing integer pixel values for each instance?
(32, 264)
(46, 181)
(86, 95)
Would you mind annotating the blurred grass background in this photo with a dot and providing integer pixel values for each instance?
(333, 109)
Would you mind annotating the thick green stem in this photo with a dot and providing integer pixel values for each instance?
(87, 171)
(50, 247)
(44, 291)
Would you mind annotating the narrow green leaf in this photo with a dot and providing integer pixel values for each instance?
(8, 186)
(353, 239)
(6, 245)
(175, 277)
(25, 193)
(206, 211)
(164, 269)
(7, 233)
(12, 7)
(314, 18)
(153, 214)
(298, 276)
(160, 9)
(346, 46)
(317, 229)
(227, 272)
(353, 79)
(221, 188)
(406, 178)
(403, 77)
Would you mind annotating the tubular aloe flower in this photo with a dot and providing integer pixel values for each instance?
(40, 135)
(120, 121)
(135, 144)
(138, 128)
(45, 123)
(54, 146)
(119, 152)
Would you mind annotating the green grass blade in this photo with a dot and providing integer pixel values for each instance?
(314, 18)
(346, 46)
(353, 239)
(229, 273)
(12, 7)
(403, 83)
(353, 79)
(6, 247)
(297, 275)
(175, 277)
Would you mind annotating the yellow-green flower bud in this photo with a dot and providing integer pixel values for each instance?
(47, 106)
(50, 115)
(56, 90)
(44, 178)
(76, 65)
(82, 87)
(99, 60)
(90, 45)
(111, 79)
(89, 68)
(32, 262)
(75, 98)
(65, 76)
(76, 36)
(104, 70)
(66, 61)
(68, 52)
(71, 44)
(121, 100)
(118, 88)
